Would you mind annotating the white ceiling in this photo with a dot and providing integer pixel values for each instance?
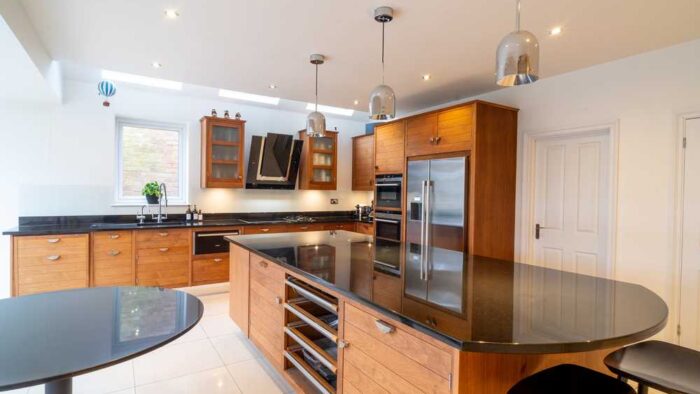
(246, 45)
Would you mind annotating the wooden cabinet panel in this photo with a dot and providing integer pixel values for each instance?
(163, 257)
(364, 228)
(222, 152)
(266, 308)
(267, 269)
(363, 163)
(386, 290)
(273, 228)
(318, 167)
(239, 274)
(339, 226)
(389, 148)
(420, 134)
(445, 321)
(291, 228)
(455, 129)
(49, 263)
(112, 258)
(212, 268)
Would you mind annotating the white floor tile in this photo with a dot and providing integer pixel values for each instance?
(252, 378)
(216, 304)
(175, 360)
(233, 349)
(218, 325)
(127, 391)
(215, 381)
(17, 391)
(196, 333)
(107, 380)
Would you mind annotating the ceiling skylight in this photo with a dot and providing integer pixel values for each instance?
(249, 97)
(141, 80)
(330, 110)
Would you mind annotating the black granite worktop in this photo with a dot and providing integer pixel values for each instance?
(46, 225)
(492, 305)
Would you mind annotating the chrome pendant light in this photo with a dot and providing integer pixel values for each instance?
(518, 56)
(382, 100)
(316, 122)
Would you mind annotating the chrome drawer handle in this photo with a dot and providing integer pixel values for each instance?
(163, 234)
(53, 240)
(304, 227)
(114, 252)
(384, 327)
(164, 249)
(114, 236)
(217, 260)
(264, 230)
(53, 257)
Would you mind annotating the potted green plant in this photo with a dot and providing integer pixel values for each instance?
(152, 192)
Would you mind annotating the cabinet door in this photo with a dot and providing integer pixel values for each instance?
(222, 152)
(112, 258)
(239, 273)
(389, 148)
(363, 163)
(420, 135)
(455, 129)
(163, 258)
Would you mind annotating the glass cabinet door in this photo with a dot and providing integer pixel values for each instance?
(223, 152)
(225, 134)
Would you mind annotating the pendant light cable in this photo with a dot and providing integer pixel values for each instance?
(316, 108)
(383, 24)
(517, 16)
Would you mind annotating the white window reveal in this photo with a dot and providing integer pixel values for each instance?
(150, 151)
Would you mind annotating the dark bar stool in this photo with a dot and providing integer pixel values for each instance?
(570, 379)
(664, 366)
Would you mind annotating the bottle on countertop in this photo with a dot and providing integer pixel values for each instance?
(200, 215)
(195, 215)
(188, 214)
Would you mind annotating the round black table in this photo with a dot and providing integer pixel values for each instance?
(51, 337)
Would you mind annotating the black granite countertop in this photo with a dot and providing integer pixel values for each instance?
(46, 225)
(472, 303)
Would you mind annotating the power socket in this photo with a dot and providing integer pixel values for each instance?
(334, 201)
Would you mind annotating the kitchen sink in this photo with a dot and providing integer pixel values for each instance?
(263, 221)
(136, 225)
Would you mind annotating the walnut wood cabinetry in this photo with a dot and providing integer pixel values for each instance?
(444, 131)
(163, 257)
(50, 262)
(389, 148)
(363, 162)
(222, 152)
(112, 259)
(210, 268)
(318, 167)
(266, 309)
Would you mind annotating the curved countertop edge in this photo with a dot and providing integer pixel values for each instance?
(111, 363)
(476, 346)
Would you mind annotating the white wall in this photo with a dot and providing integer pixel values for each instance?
(59, 159)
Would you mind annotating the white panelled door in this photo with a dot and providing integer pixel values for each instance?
(690, 257)
(572, 194)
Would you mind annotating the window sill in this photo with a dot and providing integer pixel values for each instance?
(140, 204)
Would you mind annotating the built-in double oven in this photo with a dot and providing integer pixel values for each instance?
(387, 252)
(388, 191)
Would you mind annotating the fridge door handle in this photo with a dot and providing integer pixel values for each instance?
(422, 229)
(428, 219)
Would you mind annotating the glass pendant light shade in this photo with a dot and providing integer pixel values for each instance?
(518, 59)
(382, 103)
(316, 124)
(518, 56)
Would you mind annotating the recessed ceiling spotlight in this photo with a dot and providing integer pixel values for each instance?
(356, 102)
(426, 77)
(156, 65)
(272, 86)
(172, 14)
(555, 31)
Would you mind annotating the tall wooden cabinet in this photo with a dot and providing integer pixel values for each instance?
(318, 167)
(363, 162)
(389, 151)
(222, 152)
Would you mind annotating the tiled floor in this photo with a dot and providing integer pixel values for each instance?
(214, 357)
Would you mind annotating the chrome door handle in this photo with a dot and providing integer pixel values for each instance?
(422, 229)
(342, 344)
(428, 220)
(384, 327)
(53, 240)
(114, 252)
(114, 236)
(163, 249)
(53, 257)
(264, 230)
(217, 260)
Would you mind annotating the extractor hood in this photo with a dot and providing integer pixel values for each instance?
(274, 162)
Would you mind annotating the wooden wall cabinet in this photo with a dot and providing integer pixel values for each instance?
(222, 152)
(318, 168)
(389, 148)
(445, 131)
(112, 258)
(363, 162)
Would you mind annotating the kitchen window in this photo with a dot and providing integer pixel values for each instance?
(150, 151)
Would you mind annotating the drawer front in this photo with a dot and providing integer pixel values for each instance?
(276, 228)
(266, 268)
(364, 228)
(163, 266)
(212, 269)
(162, 237)
(386, 291)
(339, 226)
(447, 322)
(305, 227)
(112, 258)
(48, 263)
(267, 324)
(400, 344)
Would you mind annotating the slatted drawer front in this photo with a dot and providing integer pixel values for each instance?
(163, 258)
(266, 308)
(212, 269)
(164, 237)
(392, 357)
(112, 258)
(48, 263)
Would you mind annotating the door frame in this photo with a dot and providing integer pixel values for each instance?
(678, 222)
(528, 140)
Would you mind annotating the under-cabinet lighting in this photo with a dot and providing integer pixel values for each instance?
(249, 97)
(330, 110)
(141, 80)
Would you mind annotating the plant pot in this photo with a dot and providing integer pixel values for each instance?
(152, 199)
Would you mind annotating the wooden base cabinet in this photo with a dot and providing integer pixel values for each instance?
(112, 258)
(163, 257)
(212, 268)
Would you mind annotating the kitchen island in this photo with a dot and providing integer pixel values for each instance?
(332, 320)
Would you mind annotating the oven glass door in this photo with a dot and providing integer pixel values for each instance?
(387, 256)
(388, 228)
(389, 195)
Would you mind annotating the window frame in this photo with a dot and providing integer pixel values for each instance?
(183, 179)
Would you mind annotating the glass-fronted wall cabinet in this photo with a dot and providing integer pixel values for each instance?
(319, 165)
(222, 152)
